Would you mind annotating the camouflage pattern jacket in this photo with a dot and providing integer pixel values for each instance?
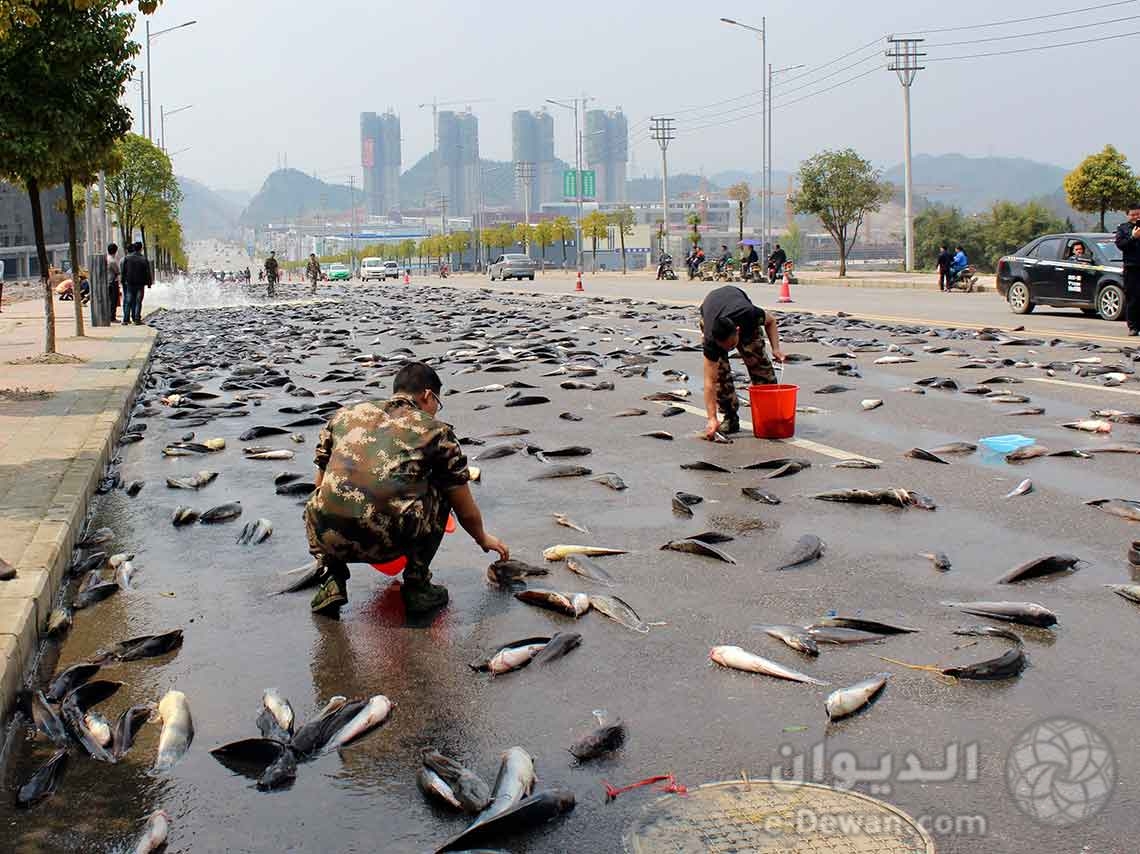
(380, 458)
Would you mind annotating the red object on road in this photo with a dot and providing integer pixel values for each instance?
(407, 278)
(395, 567)
(773, 410)
(578, 286)
(671, 787)
(786, 285)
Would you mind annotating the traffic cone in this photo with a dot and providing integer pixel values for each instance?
(786, 288)
(578, 286)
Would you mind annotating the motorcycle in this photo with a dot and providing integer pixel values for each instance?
(964, 280)
(665, 268)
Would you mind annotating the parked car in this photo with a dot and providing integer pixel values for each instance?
(392, 270)
(338, 272)
(1043, 272)
(371, 268)
(512, 266)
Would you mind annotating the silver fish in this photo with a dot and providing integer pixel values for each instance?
(619, 611)
(847, 701)
(1023, 488)
(808, 548)
(155, 834)
(374, 714)
(589, 569)
(514, 782)
(738, 659)
(177, 730)
(436, 789)
(796, 637)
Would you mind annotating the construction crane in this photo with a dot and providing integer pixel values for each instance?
(436, 104)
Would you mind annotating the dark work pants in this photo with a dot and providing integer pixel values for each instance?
(1132, 296)
(943, 278)
(132, 303)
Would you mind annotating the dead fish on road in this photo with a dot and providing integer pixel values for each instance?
(778, 464)
(833, 389)
(856, 463)
(760, 495)
(871, 626)
(955, 448)
(1048, 565)
(841, 636)
(702, 465)
(467, 788)
(590, 570)
(618, 610)
(922, 454)
(1131, 592)
(222, 513)
(603, 740)
(1122, 507)
(561, 471)
(197, 481)
(658, 434)
(528, 400)
(683, 502)
(738, 659)
(260, 432)
(496, 452)
(67, 680)
(514, 782)
(808, 548)
(893, 497)
(1005, 666)
(630, 413)
(144, 646)
(373, 714)
(44, 780)
(1026, 613)
(96, 538)
(177, 730)
(563, 643)
(795, 637)
(531, 812)
(1023, 488)
(300, 487)
(253, 533)
(611, 480)
(672, 411)
(278, 454)
(870, 403)
(1090, 426)
(698, 547)
(566, 522)
(569, 451)
(561, 552)
(939, 559)
(504, 573)
(847, 701)
(1030, 452)
(569, 416)
(570, 604)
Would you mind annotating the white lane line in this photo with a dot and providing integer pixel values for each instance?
(803, 444)
(1084, 386)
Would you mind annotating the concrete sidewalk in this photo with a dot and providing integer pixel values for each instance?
(58, 427)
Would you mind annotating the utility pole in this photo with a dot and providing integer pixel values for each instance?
(765, 126)
(573, 105)
(663, 130)
(149, 104)
(524, 172)
(904, 57)
(352, 236)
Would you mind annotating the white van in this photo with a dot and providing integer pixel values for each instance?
(372, 268)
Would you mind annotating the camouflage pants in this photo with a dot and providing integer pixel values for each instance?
(415, 535)
(760, 371)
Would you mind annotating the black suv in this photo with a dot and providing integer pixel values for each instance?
(1045, 272)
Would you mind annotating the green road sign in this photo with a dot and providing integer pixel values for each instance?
(570, 184)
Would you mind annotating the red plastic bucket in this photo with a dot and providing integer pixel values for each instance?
(395, 567)
(773, 411)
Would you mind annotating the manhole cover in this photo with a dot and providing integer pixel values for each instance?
(764, 816)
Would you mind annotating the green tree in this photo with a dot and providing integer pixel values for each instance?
(523, 233)
(504, 236)
(623, 219)
(458, 243)
(142, 185)
(595, 225)
(939, 226)
(1008, 226)
(694, 220)
(1102, 182)
(840, 188)
(28, 13)
(544, 236)
(794, 242)
(408, 250)
(741, 194)
(562, 230)
(61, 75)
(487, 238)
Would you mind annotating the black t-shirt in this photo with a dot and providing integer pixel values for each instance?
(733, 303)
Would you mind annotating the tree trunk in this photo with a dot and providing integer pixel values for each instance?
(543, 248)
(740, 219)
(564, 252)
(41, 254)
(594, 262)
(621, 234)
(73, 248)
(1103, 210)
(842, 241)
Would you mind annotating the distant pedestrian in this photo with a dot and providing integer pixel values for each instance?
(313, 270)
(113, 279)
(1128, 242)
(958, 264)
(271, 270)
(945, 259)
(136, 277)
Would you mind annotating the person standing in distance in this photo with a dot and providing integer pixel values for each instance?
(945, 259)
(1128, 242)
(730, 321)
(136, 277)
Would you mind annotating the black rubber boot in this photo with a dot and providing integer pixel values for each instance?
(730, 424)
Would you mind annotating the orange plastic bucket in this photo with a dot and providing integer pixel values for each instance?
(773, 411)
(395, 567)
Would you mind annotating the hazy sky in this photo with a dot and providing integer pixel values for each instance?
(270, 78)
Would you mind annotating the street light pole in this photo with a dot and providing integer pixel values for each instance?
(762, 31)
(162, 114)
(149, 79)
(578, 171)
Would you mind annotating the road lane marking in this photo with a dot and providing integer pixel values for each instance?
(1085, 386)
(803, 444)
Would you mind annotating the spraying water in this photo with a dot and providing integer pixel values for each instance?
(184, 292)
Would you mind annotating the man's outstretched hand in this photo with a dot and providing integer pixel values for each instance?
(494, 544)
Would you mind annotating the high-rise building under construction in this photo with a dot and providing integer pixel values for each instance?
(380, 157)
(532, 141)
(607, 152)
(457, 159)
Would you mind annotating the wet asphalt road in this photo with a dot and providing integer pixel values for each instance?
(684, 715)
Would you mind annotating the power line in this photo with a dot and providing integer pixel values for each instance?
(1023, 20)
(1038, 32)
(1032, 49)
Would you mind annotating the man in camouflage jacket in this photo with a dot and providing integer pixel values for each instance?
(388, 475)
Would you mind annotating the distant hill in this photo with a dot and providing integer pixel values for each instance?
(240, 198)
(974, 183)
(206, 213)
(642, 190)
(288, 193)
